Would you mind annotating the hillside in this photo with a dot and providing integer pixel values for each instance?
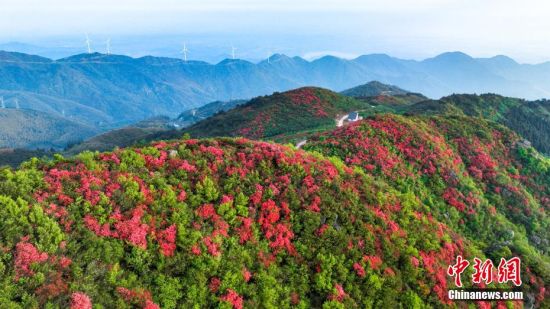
(114, 91)
(238, 223)
(528, 118)
(226, 112)
(57, 106)
(531, 119)
(13, 157)
(479, 179)
(372, 89)
(279, 114)
(192, 116)
(123, 137)
(150, 129)
(118, 88)
(387, 98)
(21, 128)
(291, 124)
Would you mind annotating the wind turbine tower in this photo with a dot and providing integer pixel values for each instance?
(88, 44)
(108, 42)
(185, 51)
(2, 104)
(16, 103)
(233, 49)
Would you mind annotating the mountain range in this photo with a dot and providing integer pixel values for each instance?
(111, 91)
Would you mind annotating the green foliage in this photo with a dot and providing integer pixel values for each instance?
(369, 215)
(280, 114)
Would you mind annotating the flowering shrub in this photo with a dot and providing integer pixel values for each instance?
(26, 254)
(463, 163)
(80, 301)
(238, 223)
(278, 115)
(233, 298)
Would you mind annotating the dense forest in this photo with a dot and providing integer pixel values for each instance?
(369, 215)
(530, 119)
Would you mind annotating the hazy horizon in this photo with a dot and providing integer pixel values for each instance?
(350, 28)
(207, 51)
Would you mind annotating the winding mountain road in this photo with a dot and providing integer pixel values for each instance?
(340, 121)
(301, 143)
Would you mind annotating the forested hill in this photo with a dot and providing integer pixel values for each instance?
(194, 115)
(531, 119)
(373, 89)
(368, 215)
(306, 110)
(294, 115)
(22, 128)
(279, 114)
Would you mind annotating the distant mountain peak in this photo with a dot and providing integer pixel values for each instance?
(451, 56)
(379, 56)
(502, 60)
(374, 88)
(329, 59)
(96, 57)
(229, 61)
(278, 56)
(454, 54)
(8, 56)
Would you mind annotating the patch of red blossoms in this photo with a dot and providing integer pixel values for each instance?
(27, 254)
(80, 300)
(233, 298)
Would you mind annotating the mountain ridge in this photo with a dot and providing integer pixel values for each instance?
(377, 63)
(220, 118)
(113, 91)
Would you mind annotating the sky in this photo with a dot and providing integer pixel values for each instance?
(403, 28)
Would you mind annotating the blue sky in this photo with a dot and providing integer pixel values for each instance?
(403, 28)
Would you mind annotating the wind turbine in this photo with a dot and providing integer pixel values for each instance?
(185, 51)
(233, 49)
(2, 104)
(108, 42)
(88, 44)
(16, 103)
